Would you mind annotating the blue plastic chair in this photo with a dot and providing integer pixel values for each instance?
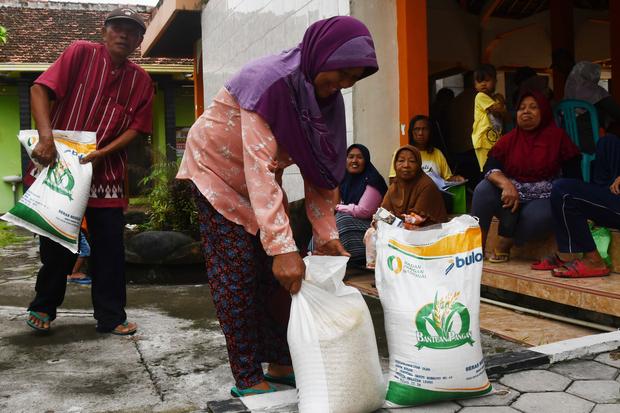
(566, 117)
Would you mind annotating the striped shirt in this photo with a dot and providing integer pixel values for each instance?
(92, 95)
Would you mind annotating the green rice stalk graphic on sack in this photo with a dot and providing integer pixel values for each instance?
(440, 317)
(60, 179)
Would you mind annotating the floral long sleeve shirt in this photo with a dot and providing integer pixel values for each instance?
(234, 160)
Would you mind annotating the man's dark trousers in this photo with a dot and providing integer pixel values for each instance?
(106, 264)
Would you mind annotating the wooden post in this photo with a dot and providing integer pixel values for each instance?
(614, 46)
(562, 37)
(199, 99)
(412, 61)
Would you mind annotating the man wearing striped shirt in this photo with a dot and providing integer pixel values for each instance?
(94, 87)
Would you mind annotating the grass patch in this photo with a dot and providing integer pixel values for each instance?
(8, 237)
(139, 201)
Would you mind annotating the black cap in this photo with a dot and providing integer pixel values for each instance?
(126, 13)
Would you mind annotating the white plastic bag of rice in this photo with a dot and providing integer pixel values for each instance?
(332, 343)
(54, 205)
(429, 285)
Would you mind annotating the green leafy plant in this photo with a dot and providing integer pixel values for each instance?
(4, 36)
(170, 202)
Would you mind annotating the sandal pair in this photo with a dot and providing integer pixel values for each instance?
(578, 269)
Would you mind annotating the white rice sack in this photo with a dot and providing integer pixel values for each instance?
(429, 285)
(54, 205)
(332, 343)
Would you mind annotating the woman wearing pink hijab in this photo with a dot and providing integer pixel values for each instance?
(277, 111)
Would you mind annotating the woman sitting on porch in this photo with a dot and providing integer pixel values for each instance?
(361, 193)
(518, 176)
(433, 160)
(412, 195)
(583, 84)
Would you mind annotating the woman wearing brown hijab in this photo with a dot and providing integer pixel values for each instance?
(413, 192)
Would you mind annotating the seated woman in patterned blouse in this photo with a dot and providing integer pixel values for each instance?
(276, 111)
(519, 174)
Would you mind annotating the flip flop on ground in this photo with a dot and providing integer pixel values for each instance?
(237, 392)
(79, 278)
(499, 257)
(38, 321)
(288, 380)
(125, 329)
(578, 269)
(550, 262)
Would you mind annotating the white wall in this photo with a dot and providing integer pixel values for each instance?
(376, 99)
(236, 31)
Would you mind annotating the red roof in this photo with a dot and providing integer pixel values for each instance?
(39, 31)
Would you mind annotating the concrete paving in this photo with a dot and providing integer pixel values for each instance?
(533, 391)
(177, 361)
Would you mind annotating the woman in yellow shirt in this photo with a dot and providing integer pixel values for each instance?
(433, 160)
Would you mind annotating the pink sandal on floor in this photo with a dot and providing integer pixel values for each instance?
(577, 269)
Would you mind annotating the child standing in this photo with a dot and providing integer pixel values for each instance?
(489, 110)
(77, 276)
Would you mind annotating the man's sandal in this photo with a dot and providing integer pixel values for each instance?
(42, 319)
(237, 392)
(548, 263)
(577, 269)
(499, 257)
(288, 380)
(121, 330)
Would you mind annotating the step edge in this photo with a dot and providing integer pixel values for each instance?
(551, 283)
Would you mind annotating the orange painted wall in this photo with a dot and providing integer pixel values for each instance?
(411, 20)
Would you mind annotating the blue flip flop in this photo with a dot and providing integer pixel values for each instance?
(288, 380)
(43, 319)
(237, 392)
(80, 281)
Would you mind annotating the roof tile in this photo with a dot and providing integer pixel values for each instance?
(38, 32)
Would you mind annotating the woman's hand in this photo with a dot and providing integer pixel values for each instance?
(413, 220)
(333, 248)
(510, 196)
(289, 270)
(456, 178)
(615, 186)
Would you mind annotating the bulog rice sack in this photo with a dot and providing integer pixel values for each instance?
(429, 285)
(54, 205)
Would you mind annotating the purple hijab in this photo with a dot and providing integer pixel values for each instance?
(280, 89)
